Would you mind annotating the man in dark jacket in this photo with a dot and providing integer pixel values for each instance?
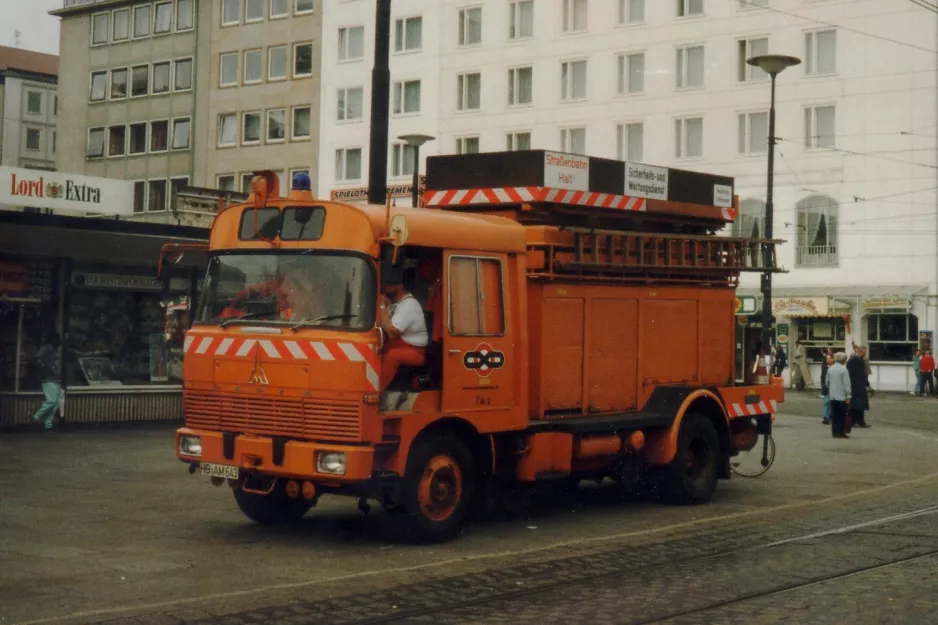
(860, 384)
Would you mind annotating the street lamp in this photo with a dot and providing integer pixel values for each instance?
(415, 141)
(771, 64)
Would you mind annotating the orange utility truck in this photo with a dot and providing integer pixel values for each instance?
(581, 326)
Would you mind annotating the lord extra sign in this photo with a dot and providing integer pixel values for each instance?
(56, 190)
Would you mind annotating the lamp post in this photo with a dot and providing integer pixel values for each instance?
(773, 65)
(415, 141)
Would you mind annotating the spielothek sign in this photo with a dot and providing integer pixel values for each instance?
(57, 190)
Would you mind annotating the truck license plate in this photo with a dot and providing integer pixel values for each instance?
(210, 469)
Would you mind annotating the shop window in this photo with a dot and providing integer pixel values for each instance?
(892, 337)
(821, 332)
(25, 324)
(476, 305)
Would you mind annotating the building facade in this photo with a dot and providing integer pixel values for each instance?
(666, 83)
(28, 109)
(171, 93)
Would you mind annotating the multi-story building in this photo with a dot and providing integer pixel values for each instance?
(666, 82)
(137, 110)
(28, 108)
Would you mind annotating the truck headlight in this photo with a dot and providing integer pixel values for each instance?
(332, 462)
(190, 446)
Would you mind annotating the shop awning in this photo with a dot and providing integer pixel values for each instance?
(833, 301)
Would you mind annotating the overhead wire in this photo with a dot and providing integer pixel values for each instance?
(866, 154)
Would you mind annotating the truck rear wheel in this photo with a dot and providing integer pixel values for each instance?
(692, 476)
(438, 487)
(273, 509)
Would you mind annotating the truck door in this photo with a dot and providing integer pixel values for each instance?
(476, 344)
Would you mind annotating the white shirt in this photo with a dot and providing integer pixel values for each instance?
(407, 317)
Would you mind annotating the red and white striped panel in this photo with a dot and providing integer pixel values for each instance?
(752, 410)
(288, 351)
(729, 214)
(516, 195)
(594, 199)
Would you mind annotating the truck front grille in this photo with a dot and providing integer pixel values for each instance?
(274, 416)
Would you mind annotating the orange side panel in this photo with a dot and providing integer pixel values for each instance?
(717, 334)
(613, 355)
(562, 350)
(548, 452)
(669, 342)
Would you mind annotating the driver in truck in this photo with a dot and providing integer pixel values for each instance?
(401, 317)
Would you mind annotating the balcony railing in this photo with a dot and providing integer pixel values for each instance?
(68, 4)
(817, 256)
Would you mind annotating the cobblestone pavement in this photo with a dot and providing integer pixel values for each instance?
(106, 527)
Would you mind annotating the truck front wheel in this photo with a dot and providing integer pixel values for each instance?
(275, 508)
(438, 486)
(692, 476)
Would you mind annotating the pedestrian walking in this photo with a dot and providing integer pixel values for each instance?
(780, 362)
(825, 387)
(926, 371)
(49, 369)
(860, 386)
(917, 373)
(839, 393)
(800, 373)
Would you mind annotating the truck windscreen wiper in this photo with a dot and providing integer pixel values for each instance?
(252, 315)
(312, 322)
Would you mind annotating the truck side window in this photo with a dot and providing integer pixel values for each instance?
(476, 301)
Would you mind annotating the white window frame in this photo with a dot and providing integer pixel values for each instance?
(568, 16)
(624, 63)
(514, 85)
(176, 63)
(293, 135)
(255, 20)
(298, 11)
(462, 144)
(146, 137)
(260, 129)
(239, 4)
(179, 5)
(684, 8)
(278, 16)
(172, 138)
(286, 63)
(172, 12)
(296, 47)
(812, 140)
(169, 131)
(169, 83)
(110, 81)
(400, 34)
(399, 93)
(130, 25)
(463, 92)
(402, 155)
(511, 140)
(344, 55)
(107, 86)
(165, 182)
(221, 69)
(567, 137)
(568, 82)
(260, 67)
(126, 145)
(747, 72)
(623, 141)
(680, 137)
(38, 131)
(246, 178)
(220, 130)
(42, 102)
(234, 181)
(681, 70)
(172, 187)
(811, 52)
(745, 137)
(133, 22)
(103, 130)
(284, 123)
(624, 14)
(341, 155)
(130, 81)
(342, 113)
(516, 24)
(107, 35)
(462, 39)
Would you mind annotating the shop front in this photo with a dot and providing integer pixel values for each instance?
(93, 281)
(892, 321)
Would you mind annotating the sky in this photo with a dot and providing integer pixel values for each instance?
(39, 31)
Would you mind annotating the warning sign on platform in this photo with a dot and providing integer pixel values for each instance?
(646, 181)
(566, 171)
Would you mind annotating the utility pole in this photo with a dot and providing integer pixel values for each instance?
(380, 103)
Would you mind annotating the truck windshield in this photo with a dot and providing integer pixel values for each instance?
(301, 289)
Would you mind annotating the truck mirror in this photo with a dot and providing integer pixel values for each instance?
(399, 230)
(392, 266)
